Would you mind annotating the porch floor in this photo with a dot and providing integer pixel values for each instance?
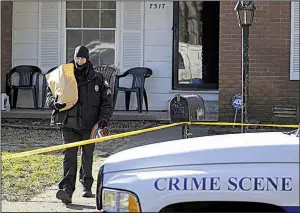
(117, 115)
(23, 113)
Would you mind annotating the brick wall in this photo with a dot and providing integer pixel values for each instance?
(6, 40)
(269, 61)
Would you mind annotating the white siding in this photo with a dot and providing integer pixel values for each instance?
(295, 41)
(36, 40)
(158, 52)
(25, 42)
(25, 33)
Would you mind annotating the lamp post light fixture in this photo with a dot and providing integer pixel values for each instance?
(245, 13)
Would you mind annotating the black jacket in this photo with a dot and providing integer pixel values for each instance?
(94, 103)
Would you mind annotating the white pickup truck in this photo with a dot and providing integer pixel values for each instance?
(234, 172)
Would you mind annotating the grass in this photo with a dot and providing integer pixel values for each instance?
(23, 178)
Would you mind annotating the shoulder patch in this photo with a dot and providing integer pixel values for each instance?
(108, 92)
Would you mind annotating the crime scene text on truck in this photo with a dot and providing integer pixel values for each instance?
(232, 184)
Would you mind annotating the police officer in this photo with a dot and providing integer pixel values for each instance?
(94, 106)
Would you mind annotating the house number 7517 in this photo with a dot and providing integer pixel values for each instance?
(157, 6)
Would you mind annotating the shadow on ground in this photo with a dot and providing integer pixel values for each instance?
(79, 207)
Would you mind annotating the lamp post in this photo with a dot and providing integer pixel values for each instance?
(245, 13)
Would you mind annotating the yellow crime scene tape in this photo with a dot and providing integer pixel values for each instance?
(136, 132)
(242, 124)
(85, 142)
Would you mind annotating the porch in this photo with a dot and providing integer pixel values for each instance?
(29, 30)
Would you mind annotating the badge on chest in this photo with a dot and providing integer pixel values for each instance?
(96, 88)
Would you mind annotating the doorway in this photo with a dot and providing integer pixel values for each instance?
(196, 45)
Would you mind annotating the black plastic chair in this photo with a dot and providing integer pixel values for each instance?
(45, 87)
(138, 86)
(26, 75)
(109, 73)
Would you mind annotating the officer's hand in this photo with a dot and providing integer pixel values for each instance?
(102, 123)
(58, 106)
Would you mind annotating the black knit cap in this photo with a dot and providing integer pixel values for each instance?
(81, 51)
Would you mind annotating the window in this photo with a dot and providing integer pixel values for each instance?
(196, 45)
(92, 24)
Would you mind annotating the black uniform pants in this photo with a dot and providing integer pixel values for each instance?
(70, 161)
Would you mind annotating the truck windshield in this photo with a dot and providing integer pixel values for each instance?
(295, 132)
